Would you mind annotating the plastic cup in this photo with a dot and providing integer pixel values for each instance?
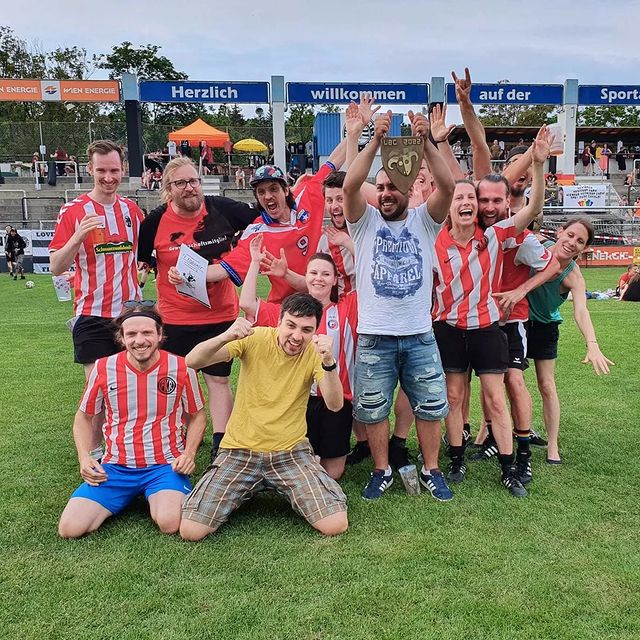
(557, 146)
(63, 288)
(409, 476)
(98, 235)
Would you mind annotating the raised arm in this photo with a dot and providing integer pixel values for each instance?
(248, 295)
(355, 203)
(575, 283)
(215, 349)
(440, 132)
(439, 201)
(539, 153)
(330, 385)
(518, 167)
(473, 126)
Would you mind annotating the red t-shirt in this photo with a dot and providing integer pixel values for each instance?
(106, 274)
(144, 410)
(176, 308)
(298, 237)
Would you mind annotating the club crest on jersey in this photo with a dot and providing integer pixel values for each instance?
(303, 216)
(332, 324)
(127, 221)
(166, 385)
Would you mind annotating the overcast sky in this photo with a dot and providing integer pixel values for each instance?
(354, 40)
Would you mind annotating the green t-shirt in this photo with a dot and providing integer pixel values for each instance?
(545, 300)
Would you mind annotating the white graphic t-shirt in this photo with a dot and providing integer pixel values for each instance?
(394, 271)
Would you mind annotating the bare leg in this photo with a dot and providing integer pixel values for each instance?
(492, 385)
(456, 384)
(429, 438)
(166, 509)
(520, 399)
(332, 525)
(192, 531)
(81, 516)
(334, 466)
(546, 375)
(404, 415)
(378, 437)
(360, 431)
(220, 401)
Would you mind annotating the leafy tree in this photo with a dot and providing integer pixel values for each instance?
(512, 115)
(299, 124)
(609, 116)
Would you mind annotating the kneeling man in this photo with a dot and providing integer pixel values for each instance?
(265, 444)
(149, 397)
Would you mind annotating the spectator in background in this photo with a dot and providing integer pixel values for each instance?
(70, 169)
(240, 178)
(15, 246)
(7, 253)
(496, 154)
(631, 291)
(587, 161)
(35, 167)
(605, 154)
(156, 179)
(622, 160)
(60, 155)
(624, 279)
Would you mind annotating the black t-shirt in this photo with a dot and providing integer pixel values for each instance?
(632, 294)
(225, 217)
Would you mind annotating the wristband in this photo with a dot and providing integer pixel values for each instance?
(330, 367)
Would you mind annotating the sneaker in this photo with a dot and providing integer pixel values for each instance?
(398, 456)
(436, 485)
(377, 485)
(488, 449)
(23, 277)
(466, 434)
(512, 484)
(15, 277)
(536, 441)
(359, 453)
(457, 471)
(523, 469)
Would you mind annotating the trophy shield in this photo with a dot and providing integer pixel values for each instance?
(401, 159)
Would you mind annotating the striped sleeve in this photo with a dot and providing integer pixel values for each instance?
(532, 253)
(192, 398)
(92, 401)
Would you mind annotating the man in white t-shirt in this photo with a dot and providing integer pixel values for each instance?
(394, 274)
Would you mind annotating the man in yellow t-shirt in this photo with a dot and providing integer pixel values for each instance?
(265, 444)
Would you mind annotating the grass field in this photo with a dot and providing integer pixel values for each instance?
(562, 564)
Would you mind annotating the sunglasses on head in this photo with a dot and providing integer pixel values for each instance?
(135, 304)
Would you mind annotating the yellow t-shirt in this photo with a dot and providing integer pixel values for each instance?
(269, 412)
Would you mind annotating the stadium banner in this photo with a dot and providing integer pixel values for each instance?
(207, 91)
(510, 93)
(344, 93)
(609, 94)
(59, 90)
(584, 196)
(608, 257)
(40, 240)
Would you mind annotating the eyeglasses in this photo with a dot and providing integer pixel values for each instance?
(135, 304)
(182, 184)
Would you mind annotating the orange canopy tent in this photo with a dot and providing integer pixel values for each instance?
(200, 131)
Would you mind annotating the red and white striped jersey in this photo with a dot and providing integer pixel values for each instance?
(467, 274)
(144, 410)
(345, 264)
(516, 270)
(106, 274)
(340, 322)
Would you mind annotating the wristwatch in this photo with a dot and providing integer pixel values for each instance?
(330, 367)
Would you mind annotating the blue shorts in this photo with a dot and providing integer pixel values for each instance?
(123, 484)
(414, 361)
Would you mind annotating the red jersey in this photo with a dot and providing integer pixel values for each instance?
(144, 410)
(345, 264)
(174, 230)
(340, 322)
(295, 236)
(516, 269)
(466, 275)
(106, 274)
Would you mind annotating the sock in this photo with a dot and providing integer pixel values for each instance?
(467, 427)
(506, 462)
(455, 453)
(522, 440)
(361, 444)
(217, 439)
(490, 437)
(387, 471)
(395, 441)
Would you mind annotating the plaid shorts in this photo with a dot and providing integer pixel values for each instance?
(238, 474)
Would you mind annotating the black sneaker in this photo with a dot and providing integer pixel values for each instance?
(359, 453)
(488, 449)
(523, 469)
(398, 456)
(457, 471)
(466, 434)
(512, 483)
(536, 441)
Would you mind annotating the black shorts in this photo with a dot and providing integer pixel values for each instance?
(329, 432)
(516, 333)
(485, 350)
(543, 340)
(181, 338)
(93, 337)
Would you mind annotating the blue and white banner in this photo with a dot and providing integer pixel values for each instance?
(609, 94)
(209, 91)
(344, 93)
(511, 93)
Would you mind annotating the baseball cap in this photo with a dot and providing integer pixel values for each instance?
(268, 172)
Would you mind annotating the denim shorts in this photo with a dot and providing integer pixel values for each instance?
(414, 361)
